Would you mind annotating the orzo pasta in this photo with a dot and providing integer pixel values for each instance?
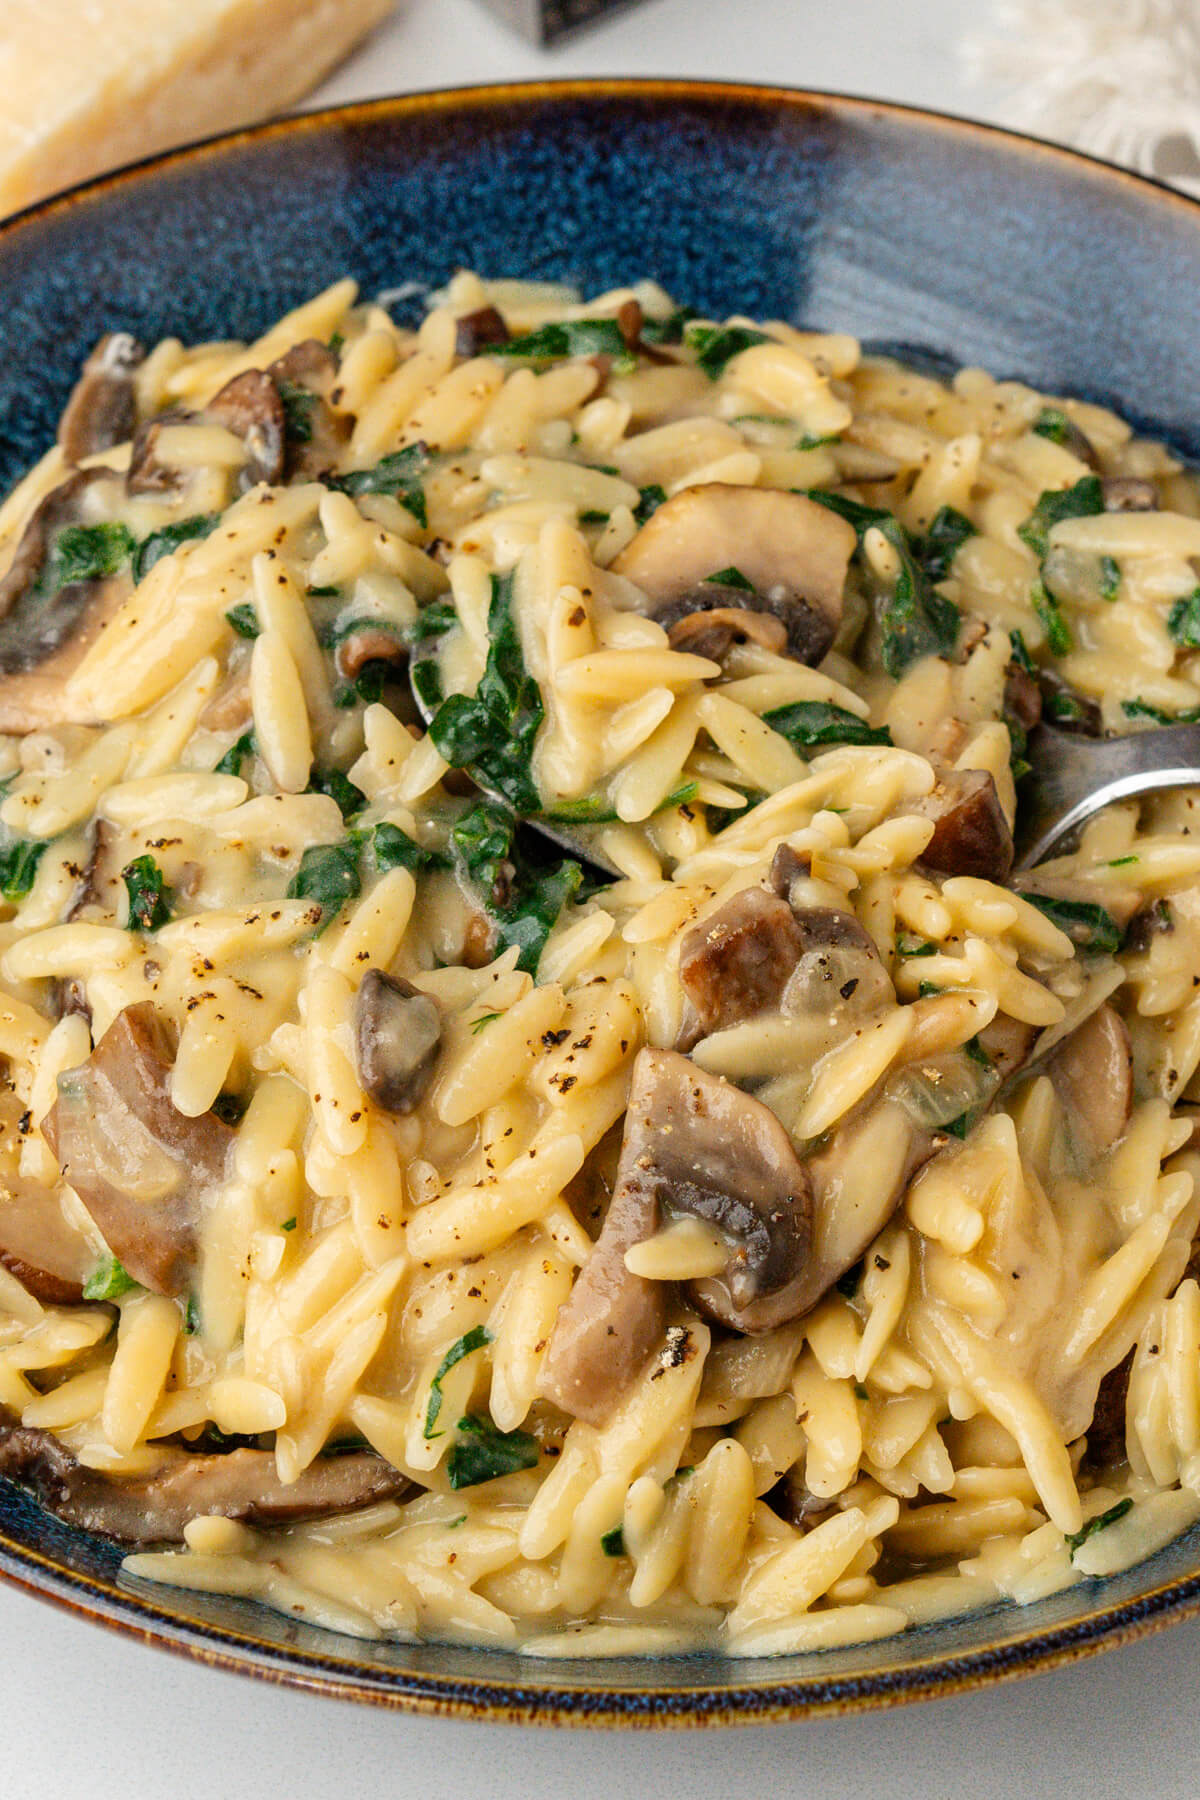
(768, 1230)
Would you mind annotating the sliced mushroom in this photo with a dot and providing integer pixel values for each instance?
(1008, 1043)
(1152, 921)
(38, 1242)
(474, 331)
(396, 1039)
(1106, 1433)
(311, 368)
(139, 1165)
(792, 552)
(1127, 493)
(44, 633)
(788, 866)
(1092, 1072)
(612, 1319)
(250, 407)
(366, 644)
(148, 473)
(153, 1509)
(397, 1035)
(971, 834)
(714, 633)
(1022, 697)
(738, 961)
(102, 410)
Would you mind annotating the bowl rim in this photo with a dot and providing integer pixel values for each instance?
(576, 1700)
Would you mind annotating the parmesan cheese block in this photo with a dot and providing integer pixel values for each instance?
(86, 85)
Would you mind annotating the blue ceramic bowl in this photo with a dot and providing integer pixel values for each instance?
(947, 241)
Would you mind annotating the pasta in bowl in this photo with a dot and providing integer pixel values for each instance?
(767, 1237)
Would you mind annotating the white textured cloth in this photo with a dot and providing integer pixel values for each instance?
(1118, 78)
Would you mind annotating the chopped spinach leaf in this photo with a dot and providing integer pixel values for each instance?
(191, 1316)
(959, 1127)
(484, 1453)
(613, 1542)
(394, 849)
(1066, 707)
(1110, 578)
(289, 1224)
(1183, 620)
(524, 897)
(235, 756)
(807, 723)
(1142, 709)
(591, 517)
(566, 337)
(1089, 926)
(152, 549)
(18, 866)
(669, 330)
(328, 874)
(88, 552)
(946, 536)
(149, 895)
(339, 787)
(108, 1281)
(399, 475)
(473, 1340)
(244, 620)
(1100, 1523)
(977, 1053)
(492, 732)
(1018, 652)
(1082, 501)
(484, 1020)
(914, 619)
(1053, 423)
(298, 403)
(717, 345)
(324, 593)
(1058, 632)
(652, 498)
(431, 621)
(907, 945)
(592, 810)
(730, 577)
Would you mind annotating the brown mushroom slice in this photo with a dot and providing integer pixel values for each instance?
(1128, 493)
(1092, 1072)
(475, 331)
(792, 552)
(397, 1035)
(694, 1145)
(1106, 1433)
(250, 407)
(44, 635)
(738, 961)
(40, 1246)
(148, 473)
(139, 1165)
(366, 644)
(315, 434)
(612, 1319)
(714, 633)
(153, 1509)
(1008, 1043)
(856, 1183)
(102, 409)
(971, 834)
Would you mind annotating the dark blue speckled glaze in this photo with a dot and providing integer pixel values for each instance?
(905, 228)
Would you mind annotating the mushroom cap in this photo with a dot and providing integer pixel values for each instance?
(153, 1509)
(971, 835)
(1092, 1072)
(793, 553)
(138, 1164)
(397, 1035)
(45, 636)
(102, 409)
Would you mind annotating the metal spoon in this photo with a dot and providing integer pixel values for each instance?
(1072, 777)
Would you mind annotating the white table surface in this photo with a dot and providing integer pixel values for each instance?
(86, 1713)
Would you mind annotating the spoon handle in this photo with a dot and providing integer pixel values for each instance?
(1072, 777)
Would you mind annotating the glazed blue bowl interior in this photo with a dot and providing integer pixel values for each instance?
(951, 242)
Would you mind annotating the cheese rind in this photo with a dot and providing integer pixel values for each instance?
(87, 85)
